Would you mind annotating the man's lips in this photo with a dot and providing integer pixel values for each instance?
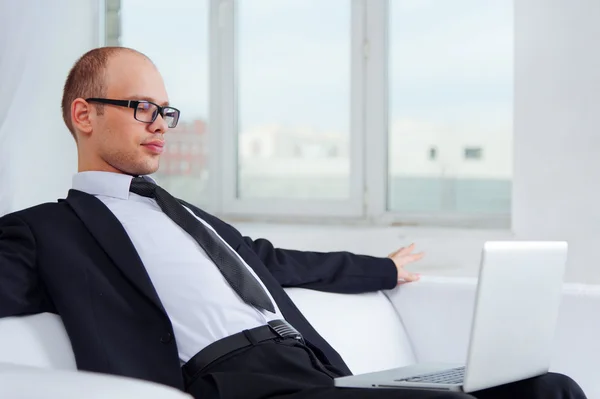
(156, 146)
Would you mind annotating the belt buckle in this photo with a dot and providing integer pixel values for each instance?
(285, 330)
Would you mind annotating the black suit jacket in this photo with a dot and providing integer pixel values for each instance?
(74, 258)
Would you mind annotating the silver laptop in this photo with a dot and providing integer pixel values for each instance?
(514, 320)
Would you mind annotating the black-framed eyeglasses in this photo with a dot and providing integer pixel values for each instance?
(144, 111)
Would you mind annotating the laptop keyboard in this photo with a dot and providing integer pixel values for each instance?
(450, 376)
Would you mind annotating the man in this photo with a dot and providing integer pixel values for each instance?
(151, 287)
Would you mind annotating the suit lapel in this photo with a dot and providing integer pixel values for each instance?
(113, 238)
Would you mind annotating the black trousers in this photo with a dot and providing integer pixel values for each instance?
(287, 369)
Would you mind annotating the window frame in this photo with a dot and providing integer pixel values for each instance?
(369, 132)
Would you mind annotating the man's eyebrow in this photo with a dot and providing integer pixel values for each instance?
(146, 98)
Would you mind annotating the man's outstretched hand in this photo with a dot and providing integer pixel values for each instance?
(403, 257)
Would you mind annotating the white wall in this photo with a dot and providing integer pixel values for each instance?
(42, 157)
(557, 128)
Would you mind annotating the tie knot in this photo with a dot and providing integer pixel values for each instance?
(142, 187)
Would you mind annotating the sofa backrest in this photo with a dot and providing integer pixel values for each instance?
(364, 329)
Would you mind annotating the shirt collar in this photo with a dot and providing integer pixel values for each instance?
(106, 184)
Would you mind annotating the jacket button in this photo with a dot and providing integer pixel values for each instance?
(165, 339)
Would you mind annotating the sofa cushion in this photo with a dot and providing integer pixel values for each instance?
(437, 314)
(363, 328)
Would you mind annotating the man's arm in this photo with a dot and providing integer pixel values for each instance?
(341, 272)
(19, 282)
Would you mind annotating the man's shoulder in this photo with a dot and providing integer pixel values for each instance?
(39, 213)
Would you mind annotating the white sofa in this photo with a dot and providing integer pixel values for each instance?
(419, 322)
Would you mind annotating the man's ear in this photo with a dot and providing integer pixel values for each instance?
(82, 114)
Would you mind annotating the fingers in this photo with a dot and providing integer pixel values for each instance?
(406, 259)
(402, 251)
(401, 282)
(415, 257)
(406, 277)
(406, 250)
(401, 258)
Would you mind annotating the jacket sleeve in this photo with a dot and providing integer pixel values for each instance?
(20, 288)
(341, 272)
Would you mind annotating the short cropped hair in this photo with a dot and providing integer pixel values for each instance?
(87, 78)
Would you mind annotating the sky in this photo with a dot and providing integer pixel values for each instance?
(450, 61)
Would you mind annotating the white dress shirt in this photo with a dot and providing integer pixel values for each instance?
(202, 306)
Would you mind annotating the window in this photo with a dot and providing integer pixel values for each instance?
(450, 68)
(185, 147)
(344, 109)
(473, 153)
(184, 167)
(293, 98)
(432, 153)
(179, 48)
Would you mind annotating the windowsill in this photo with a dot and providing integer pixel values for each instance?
(453, 252)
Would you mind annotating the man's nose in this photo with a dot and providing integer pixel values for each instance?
(159, 125)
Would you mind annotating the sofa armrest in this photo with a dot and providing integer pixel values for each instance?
(25, 382)
(437, 314)
(38, 340)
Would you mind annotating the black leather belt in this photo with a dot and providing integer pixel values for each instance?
(276, 329)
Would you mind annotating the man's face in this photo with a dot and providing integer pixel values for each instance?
(123, 143)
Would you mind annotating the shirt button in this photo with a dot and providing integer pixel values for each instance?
(165, 339)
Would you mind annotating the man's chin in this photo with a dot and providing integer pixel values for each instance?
(141, 171)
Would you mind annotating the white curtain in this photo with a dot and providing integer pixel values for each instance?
(39, 42)
(18, 20)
